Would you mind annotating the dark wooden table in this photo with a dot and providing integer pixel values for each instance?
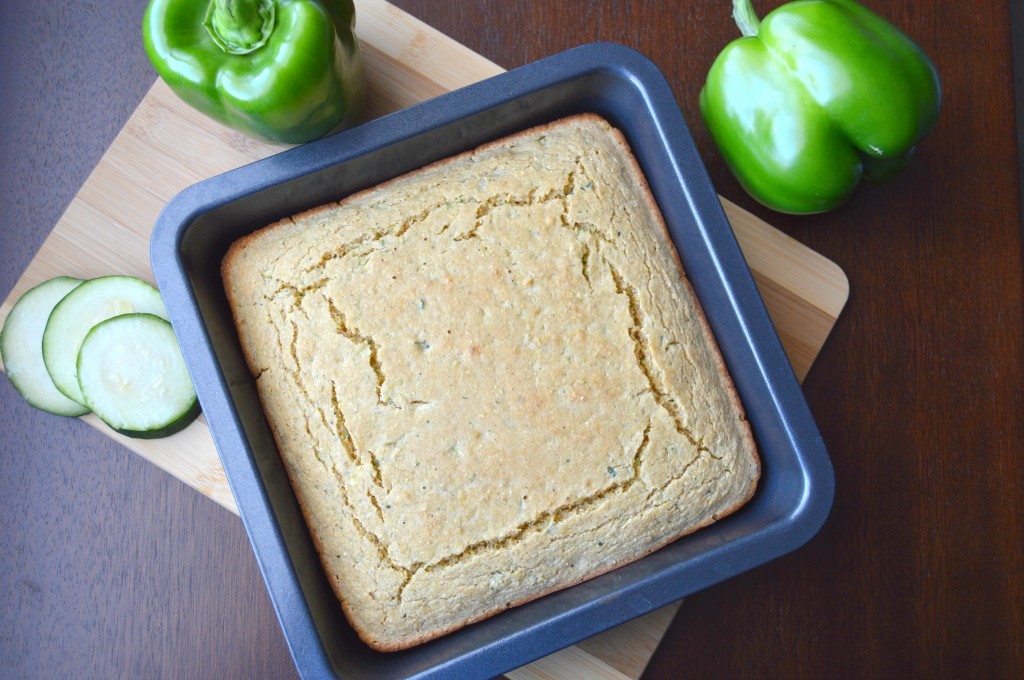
(111, 568)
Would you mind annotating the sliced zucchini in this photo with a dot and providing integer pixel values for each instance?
(21, 347)
(87, 305)
(132, 375)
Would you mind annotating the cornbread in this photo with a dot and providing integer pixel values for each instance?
(488, 380)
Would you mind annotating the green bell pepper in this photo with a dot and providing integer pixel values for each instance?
(816, 96)
(284, 71)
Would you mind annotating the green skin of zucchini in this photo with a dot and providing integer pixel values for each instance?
(177, 426)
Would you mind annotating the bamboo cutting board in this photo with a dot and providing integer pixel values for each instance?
(166, 146)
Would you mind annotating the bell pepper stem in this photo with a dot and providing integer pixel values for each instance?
(240, 26)
(745, 16)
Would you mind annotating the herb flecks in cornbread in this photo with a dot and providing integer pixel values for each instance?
(488, 380)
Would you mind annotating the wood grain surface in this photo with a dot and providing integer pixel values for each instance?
(113, 569)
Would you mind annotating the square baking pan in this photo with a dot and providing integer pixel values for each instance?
(196, 228)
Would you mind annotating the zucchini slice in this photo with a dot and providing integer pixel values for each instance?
(87, 305)
(132, 375)
(21, 347)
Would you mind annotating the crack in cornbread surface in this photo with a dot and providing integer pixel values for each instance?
(488, 380)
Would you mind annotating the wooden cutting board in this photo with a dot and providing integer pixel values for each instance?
(166, 146)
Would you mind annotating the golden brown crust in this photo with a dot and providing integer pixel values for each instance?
(489, 379)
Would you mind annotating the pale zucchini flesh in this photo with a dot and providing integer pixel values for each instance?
(83, 308)
(133, 376)
(21, 347)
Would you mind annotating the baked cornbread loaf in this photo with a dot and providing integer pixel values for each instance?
(488, 379)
